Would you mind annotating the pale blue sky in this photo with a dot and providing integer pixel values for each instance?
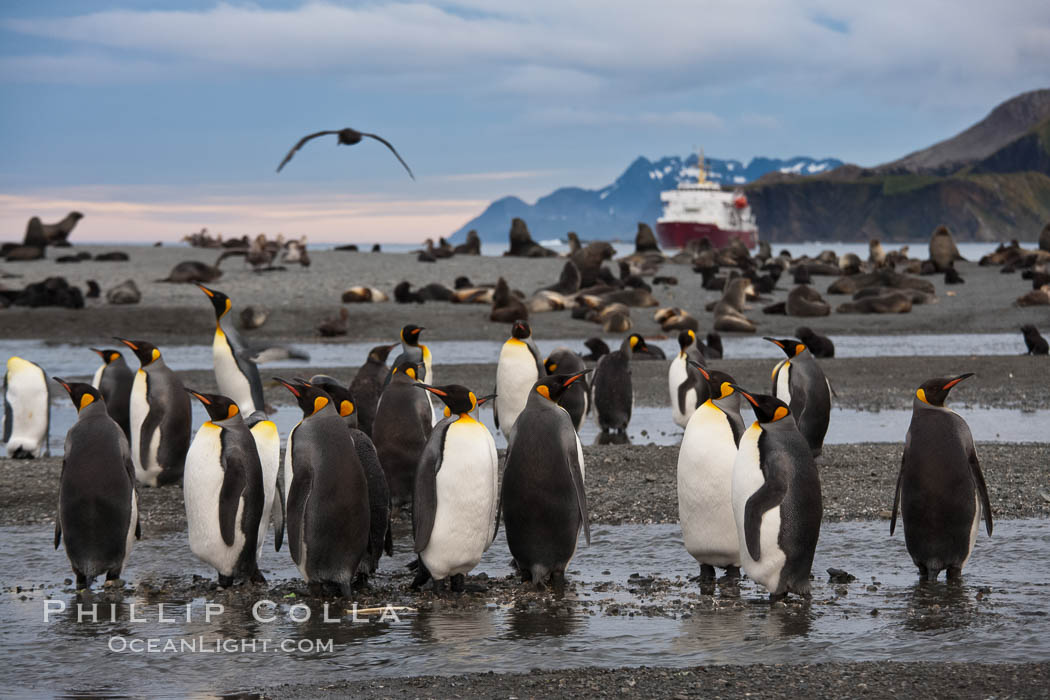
(157, 117)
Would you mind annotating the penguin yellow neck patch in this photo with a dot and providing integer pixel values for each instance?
(155, 355)
(921, 395)
(85, 401)
(726, 390)
(473, 401)
(319, 403)
(543, 391)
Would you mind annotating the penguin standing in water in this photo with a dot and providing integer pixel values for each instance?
(688, 390)
(613, 394)
(97, 504)
(777, 502)
(543, 498)
(576, 400)
(160, 418)
(454, 507)
(940, 489)
(518, 369)
(380, 533)
(415, 352)
(402, 427)
(328, 510)
(113, 380)
(368, 385)
(27, 410)
(268, 444)
(237, 376)
(224, 493)
(800, 383)
(705, 478)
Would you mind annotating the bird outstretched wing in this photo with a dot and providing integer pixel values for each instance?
(302, 141)
(385, 143)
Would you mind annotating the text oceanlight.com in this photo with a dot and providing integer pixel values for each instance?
(202, 645)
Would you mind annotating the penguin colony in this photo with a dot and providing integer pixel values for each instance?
(749, 496)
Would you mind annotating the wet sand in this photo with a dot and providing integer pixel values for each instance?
(300, 298)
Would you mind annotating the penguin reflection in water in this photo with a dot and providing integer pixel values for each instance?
(705, 477)
(543, 498)
(97, 503)
(327, 506)
(224, 493)
(940, 489)
(454, 509)
(776, 499)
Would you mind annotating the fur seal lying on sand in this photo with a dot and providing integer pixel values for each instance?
(729, 312)
(806, 302)
(522, 245)
(360, 294)
(507, 308)
(892, 303)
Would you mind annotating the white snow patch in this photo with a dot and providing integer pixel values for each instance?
(739, 179)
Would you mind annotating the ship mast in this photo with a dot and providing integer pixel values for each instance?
(701, 176)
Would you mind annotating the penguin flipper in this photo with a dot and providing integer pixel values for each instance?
(388, 541)
(768, 496)
(278, 516)
(683, 389)
(897, 493)
(424, 497)
(58, 530)
(297, 500)
(495, 410)
(230, 494)
(982, 488)
(581, 494)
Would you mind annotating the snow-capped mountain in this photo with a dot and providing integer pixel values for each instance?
(615, 210)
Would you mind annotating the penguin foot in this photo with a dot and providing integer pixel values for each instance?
(21, 453)
(315, 589)
(777, 597)
(113, 581)
(257, 577)
(422, 576)
(225, 581)
(707, 573)
(954, 574)
(82, 582)
(346, 590)
(361, 580)
(558, 581)
(458, 583)
(732, 575)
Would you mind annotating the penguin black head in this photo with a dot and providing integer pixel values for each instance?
(410, 334)
(790, 346)
(380, 352)
(637, 343)
(686, 339)
(521, 330)
(146, 352)
(720, 383)
(83, 395)
(768, 409)
(935, 391)
(311, 398)
(219, 407)
(458, 399)
(219, 301)
(407, 367)
(108, 355)
(341, 396)
(554, 386)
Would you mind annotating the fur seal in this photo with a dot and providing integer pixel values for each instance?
(729, 312)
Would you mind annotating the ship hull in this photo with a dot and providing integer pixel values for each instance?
(676, 234)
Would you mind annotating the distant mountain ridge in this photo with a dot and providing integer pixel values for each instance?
(615, 210)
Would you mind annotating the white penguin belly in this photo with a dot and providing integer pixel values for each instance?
(131, 528)
(747, 478)
(466, 487)
(229, 377)
(202, 482)
(974, 527)
(137, 412)
(705, 488)
(28, 396)
(96, 381)
(515, 375)
(783, 374)
(286, 473)
(268, 444)
(677, 374)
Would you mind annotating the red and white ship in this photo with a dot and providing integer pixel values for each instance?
(702, 209)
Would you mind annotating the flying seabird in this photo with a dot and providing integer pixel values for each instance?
(347, 137)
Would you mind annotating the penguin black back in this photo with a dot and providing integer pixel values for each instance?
(576, 399)
(114, 383)
(613, 393)
(368, 383)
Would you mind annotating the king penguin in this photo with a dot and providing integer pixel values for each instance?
(402, 427)
(518, 369)
(800, 383)
(328, 511)
(613, 394)
(543, 499)
(97, 503)
(577, 398)
(454, 506)
(380, 533)
(114, 379)
(688, 390)
(27, 410)
(224, 493)
(160, 418)
(368, 385)
(776, 499)
(940, 489)
(415, 352)
(237, 376)
(705, 478)
(268, 444)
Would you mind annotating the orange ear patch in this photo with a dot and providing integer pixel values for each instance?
(233, 410)
(921, 395)
(319, 403)
(781, 412)
(411, 372)
(543, 391)
(799, 348)
(85, 400)
(156, 354)
(726, 390)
